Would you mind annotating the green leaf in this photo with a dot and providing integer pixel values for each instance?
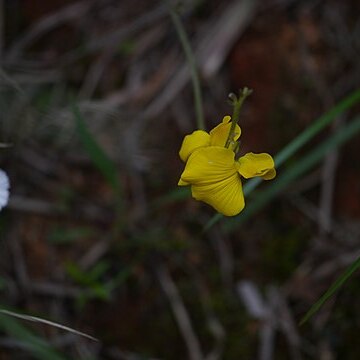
(89, 277)
(333, 288)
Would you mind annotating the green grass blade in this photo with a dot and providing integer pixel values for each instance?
(39, 348)
(298, 143)
(295, 171)
(100, 159)
(37, 319)
(318, 125)
(190, 58)
(333, 288)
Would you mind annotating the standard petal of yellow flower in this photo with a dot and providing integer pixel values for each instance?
(197, 139)
(251, 165)
(220, 133)
(214, 179)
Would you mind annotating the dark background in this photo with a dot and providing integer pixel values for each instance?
(139, 274)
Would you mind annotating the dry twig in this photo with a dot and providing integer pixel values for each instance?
(181, 315)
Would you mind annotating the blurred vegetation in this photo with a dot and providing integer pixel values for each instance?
(95, 98)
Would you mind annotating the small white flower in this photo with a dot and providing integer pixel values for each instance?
(4, 189)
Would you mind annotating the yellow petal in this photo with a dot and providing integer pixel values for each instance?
(192, 142)
(220, 133)
(209, 164)
(182, 183)
(226, 196)
(214, 179)
(269, 175)
(252, 165)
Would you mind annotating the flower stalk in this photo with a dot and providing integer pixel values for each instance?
(237, 104)
(190, 58)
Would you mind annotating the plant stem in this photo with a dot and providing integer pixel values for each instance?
(191, 63)
(237, 104)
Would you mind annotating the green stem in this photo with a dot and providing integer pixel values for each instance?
(192, 65)
(237, 104)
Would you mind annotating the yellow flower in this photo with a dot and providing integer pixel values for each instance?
(213, 172)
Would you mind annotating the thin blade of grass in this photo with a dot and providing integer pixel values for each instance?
(190, 58)
(318, 125)
(294, 172)
(100, 159)
(39, 348)
(298, 143)
(330, 292)
(46, 322)
(104, 164)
